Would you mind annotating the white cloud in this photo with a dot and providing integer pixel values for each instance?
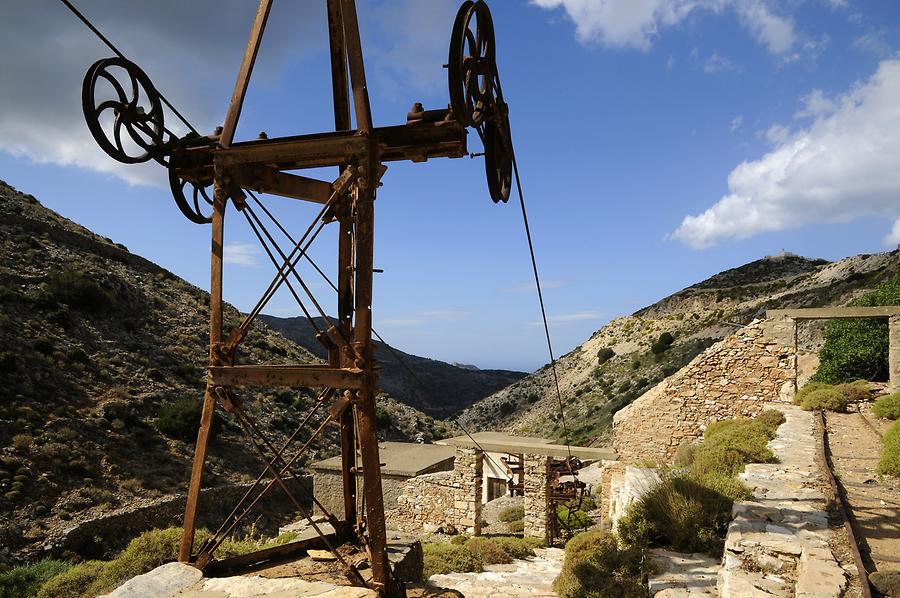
(736, 123)
(637, 23)
(893, 237)
(777, 134)
(773, 31)
(244, 255)
(716, 63)
(845, 164)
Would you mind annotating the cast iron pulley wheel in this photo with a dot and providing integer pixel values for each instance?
(116, 95)
(498, 157)
(471, 66)
(197, 204)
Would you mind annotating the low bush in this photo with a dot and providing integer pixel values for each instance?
(604, 355)
(829, 399)
(144, 553)
(74, 583)
(855, 392)
(731, 444)
(448, 558)
(465, 555)
(513, 513)
(596, 566)
(516, 527)
(887, 407)
(680, 513)
(889, 464)
(24, 582)
(518, 548)
(180, 419)
(76, 289)
(487, 552)
(572, 519)
(808, 388)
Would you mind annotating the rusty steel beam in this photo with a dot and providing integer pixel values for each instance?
(243, 78)
(268, 180)
(286, 375)
(215, 337)
(416, 142)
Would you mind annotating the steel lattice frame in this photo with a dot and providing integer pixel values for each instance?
(235, 170)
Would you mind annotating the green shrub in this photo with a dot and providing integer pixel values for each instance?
(516, 527)
(887, 407)
(74, 583)
(24, 582)
(487, 552)
(180, 419)
(680, 513)
(808, 388)
(859, 348)
(604, 355)
(889, 464)
(829, 399)
(731, 444)
(572, 519)
(76, 289)
(855, 392)
(448, 558)
(513, 513)
(595, 566)
(518, 548)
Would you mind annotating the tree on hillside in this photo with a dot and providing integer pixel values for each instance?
(857, 349)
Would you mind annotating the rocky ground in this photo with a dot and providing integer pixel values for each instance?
(523, 577)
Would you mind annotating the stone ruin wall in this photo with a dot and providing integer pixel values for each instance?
(452, 499)
(735, 377)
(443, 499)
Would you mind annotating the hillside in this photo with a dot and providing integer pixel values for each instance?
(439, 389)
(631, 354)
(96, 344)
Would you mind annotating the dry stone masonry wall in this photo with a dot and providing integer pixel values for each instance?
(537, 507)
(735, 377)
(444, 499)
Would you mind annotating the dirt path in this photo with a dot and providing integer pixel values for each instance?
(874, 500)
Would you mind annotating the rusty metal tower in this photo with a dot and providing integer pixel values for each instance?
(128, 122)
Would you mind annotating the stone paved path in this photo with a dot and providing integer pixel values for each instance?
(529, 577)
(779, 544)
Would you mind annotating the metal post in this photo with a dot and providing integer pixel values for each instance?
(215, 337)
(340, 92)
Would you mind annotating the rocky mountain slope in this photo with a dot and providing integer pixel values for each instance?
(631, 354)
(437, 388)
(97, 345)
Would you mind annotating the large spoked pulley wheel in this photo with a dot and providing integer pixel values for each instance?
(471, 65)
(123, 111)
(194, 200)
(498, 157)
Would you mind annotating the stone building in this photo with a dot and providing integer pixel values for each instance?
(454, 499)
(400, 462)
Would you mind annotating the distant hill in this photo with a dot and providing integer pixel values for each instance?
(95, 342)
(439, 389)
(626, 357)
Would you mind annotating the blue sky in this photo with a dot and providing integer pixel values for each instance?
(660, 142)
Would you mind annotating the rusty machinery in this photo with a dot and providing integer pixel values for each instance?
(126, 115)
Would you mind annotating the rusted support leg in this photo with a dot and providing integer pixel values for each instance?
(371, 462)
(209, 399)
